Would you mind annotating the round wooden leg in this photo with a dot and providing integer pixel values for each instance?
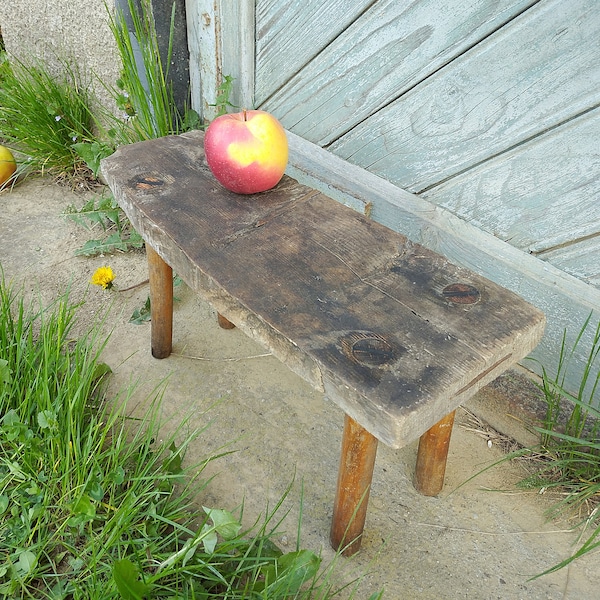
(224, 323)
(432, 456)
(160, 277)
(357, 460)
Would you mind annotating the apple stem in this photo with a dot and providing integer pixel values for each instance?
(244, 113)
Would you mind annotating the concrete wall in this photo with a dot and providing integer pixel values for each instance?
(78, 31)
(55, 30)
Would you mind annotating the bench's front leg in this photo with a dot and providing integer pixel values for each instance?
(432, 456)
(160, 276)
(357, 460)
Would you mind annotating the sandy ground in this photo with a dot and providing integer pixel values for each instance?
(470, 542)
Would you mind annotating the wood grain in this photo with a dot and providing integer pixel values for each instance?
(484, 103)
(580, 259)
(388, 50)
(161, 310)
(566, 300)
(540, 195)
(353, 307)
(289, 34)
(431, 457)
(359, 450)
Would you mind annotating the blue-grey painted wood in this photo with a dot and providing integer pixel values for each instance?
(289, 34)
(536, 72)
(538, 196)
(528, 77)
(566, 300)
(387, 51)
(581, 259)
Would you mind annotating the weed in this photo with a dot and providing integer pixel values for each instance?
(44, 116)
(569, 453)
(142, 314)
(105, 214)
(222, 102)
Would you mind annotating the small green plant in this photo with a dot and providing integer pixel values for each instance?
(224, 91)
(45, 116)
(142, 314)
(569, 453)
(104, 213)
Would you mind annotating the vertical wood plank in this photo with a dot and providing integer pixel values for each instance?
(160, 276)
(237, 23)
(202, 40)
(357, 460)
(221, 41)
(432, 455)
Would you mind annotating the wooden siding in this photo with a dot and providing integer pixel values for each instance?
(480, 107)
(290, 35)
(487, 111)
(387, 51)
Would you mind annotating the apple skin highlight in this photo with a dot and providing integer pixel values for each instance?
(247, 152)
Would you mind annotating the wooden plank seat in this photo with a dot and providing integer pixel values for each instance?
(393, 333)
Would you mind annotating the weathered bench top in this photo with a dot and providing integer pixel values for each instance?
(392, 332)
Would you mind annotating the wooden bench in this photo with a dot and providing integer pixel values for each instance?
(393, 333)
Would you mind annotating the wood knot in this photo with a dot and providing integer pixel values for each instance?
(461, 293)
(147, 182)
(369, 349)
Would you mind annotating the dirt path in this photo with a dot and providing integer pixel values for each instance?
(467, 543)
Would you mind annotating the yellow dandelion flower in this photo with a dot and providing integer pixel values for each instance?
(103, 276)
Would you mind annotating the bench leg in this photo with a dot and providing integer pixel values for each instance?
(357, 460)
(224, 323)
(432, 455)
(160, 276)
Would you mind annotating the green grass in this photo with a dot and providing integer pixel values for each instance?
(43, 116)
(143, 92)
(59, 126)
(92, 505)
(568, 458)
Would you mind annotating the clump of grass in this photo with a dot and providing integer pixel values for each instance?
(144, 92)
(58, 124)
(44, 116)
(568, 459)
(92, 505)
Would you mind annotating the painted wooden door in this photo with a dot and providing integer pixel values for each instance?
(488, 108)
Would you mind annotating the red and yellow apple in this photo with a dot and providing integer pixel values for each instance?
(8, 165)
(247, 152)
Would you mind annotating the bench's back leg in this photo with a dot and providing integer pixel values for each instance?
(432, 455)
(160, 276)
(224, 323)
(357, 460)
